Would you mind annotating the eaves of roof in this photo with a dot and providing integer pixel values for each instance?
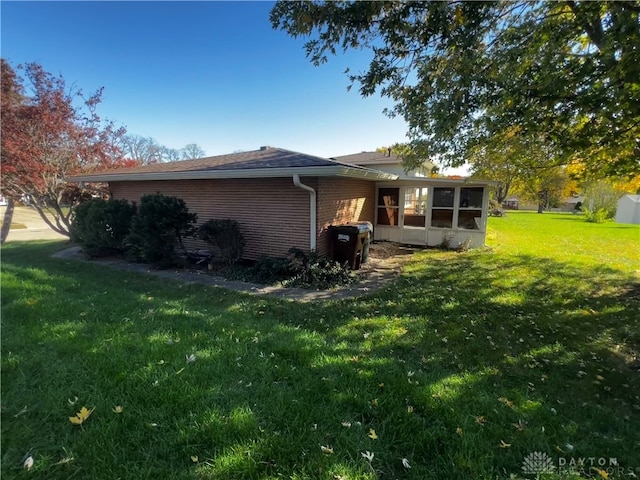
(338, 170)
(440, 181)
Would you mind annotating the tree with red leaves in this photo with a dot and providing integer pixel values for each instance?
(50, 133)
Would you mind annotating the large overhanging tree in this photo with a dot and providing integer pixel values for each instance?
(49, 133)
(460, 73)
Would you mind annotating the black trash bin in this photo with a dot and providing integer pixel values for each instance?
(365, 234)
(350, 243)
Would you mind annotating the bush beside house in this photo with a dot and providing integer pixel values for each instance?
(101, 226)
(154, 233)
(159, 226)
(225, 239)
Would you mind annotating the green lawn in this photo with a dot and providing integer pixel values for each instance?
(466, 365)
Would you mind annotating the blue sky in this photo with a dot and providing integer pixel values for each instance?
(211, 73)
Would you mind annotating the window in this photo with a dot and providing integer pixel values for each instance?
(471, 197)
(415, 206)
(442, 210)
(388, 206)
(470, 208)
(443, 197)
(459, 206)
(441, 218)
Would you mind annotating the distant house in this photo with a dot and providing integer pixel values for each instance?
(571, 204)
(511, 203)
(284, 199)
(567, 205)
(628, 210)
(386, 161)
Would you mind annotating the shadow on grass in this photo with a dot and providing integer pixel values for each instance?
(464, 352)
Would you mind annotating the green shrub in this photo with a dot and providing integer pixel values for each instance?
(317, 271)
(101, 226)
(158, 228)
(601, 215)
(601, 195)
(225, 238)
(271, 270)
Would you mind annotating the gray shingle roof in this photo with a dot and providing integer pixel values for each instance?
(264, 158)
(376, 158)
(368, 158)
(267, 161)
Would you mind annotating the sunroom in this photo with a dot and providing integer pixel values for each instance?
(432, 212)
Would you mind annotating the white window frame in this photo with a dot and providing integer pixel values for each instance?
(456, 208)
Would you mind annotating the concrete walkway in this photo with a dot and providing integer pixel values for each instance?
(375, 275)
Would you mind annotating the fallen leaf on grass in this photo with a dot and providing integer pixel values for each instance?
(368, 455)
(506, 402)
(405, 463)
(327, 450)
(81, 416)
(481, 420)
(194, 458)
(602, 473)
(65, 460)
(346, 424)
(520, 426)
(372, 434)
(503, 444)
(117, 409)
(459, 431)
(28, 463)
(190, 358)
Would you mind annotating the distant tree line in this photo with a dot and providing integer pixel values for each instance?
(146, 150)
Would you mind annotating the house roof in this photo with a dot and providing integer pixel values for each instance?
(262, 163)
(373, 158)
(368, 158)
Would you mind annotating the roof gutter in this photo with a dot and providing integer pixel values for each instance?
(312, 210)
(340, 171)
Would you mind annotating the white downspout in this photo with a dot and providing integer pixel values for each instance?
(312, 209)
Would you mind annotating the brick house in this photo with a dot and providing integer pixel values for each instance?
(284, 199)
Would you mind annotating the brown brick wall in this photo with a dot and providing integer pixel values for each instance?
(273, 214)
(342, 200)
